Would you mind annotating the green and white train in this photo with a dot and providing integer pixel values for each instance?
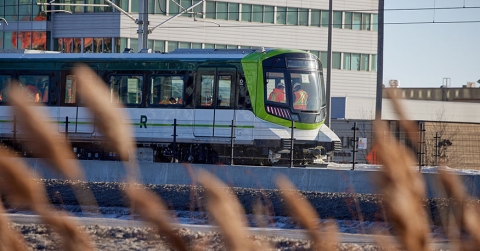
(188, 105)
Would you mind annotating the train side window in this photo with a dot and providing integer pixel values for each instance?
(166, 90)
(70, 89)
(35, 87)
(224, 97)
(4, 87)
(126, 88)
(207, 89)
(275, 87)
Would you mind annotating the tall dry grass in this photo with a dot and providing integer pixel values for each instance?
(403, 188)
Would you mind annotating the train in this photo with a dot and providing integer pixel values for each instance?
(188, 105)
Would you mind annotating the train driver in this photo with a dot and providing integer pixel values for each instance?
(278, 93)
(301, 97)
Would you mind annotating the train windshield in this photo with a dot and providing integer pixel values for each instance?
(300, 90)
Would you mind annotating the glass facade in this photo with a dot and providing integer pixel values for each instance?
(28, 10)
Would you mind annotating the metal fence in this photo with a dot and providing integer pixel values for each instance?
(455, 145)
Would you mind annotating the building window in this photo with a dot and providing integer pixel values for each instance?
(364, 62)
(209, 46)
(347, 61)
(281, 15)
(357, 21)
(324, 58)
(336, 60)
(184, 45)
(303, 17)
(11, 12)
(292, 16)
(246, 12)
(375, 22)
(315, 18)
(373, 63)
(325, 18)
(355, 62)
(134, 45)
(257, 13)
(269, 14)
(159, 45)
(196, 46)
(222, 11)
(172, 45)
(337, 19)
(347, 24)
(210, 9)
(134, 7)
(365, 21)
(233, 11)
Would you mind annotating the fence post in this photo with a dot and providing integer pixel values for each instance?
(291, 144)
(436, 148)
(66, 129)
(354, 151)
(174, 146)
(421, 147)
(232, 137)
(14, 132)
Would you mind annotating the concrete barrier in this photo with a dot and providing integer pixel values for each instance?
(305, 179)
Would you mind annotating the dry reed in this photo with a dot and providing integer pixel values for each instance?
(466, 215)
(227, 212)
(51, 146)
(404, 191)
(152, 209)
(9, 239)
(109, 117)
(41, 137)
(17, 183)
(305, 215)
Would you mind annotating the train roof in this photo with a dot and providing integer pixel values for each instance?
(178, 54)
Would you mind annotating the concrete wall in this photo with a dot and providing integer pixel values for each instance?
(305, 179)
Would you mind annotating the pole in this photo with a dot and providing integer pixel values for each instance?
(378, 106)
(14, 132)
(329, 64)
(142, 24)
(232, 136)
(174, 150)
(354, 151)
(291, 144)
(66, 129)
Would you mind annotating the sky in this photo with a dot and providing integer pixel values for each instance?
(431, 54)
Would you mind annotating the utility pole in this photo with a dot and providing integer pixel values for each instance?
(378, 106)
(142, 24)
(329, 64)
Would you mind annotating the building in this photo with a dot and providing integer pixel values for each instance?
(296, 24)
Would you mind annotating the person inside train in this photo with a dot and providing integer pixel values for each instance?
(32, 92)
(301, 97)
(278, 93)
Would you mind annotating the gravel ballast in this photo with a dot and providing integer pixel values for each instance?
(181, 199)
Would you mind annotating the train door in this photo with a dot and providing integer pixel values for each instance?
(80, 120)
(215, 101)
